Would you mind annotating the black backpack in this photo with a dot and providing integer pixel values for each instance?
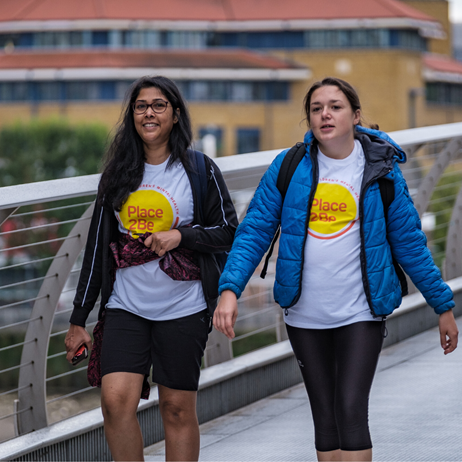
(199, 181)
(287, 170)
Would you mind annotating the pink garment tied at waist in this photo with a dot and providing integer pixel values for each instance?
(179, 264)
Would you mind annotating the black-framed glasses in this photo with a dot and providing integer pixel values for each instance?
(158, 106)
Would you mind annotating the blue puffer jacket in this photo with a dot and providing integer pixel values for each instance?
(402, 237)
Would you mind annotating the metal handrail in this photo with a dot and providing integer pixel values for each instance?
(242, 177)
(53, 209)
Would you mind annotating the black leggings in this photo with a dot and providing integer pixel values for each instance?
(338, 367)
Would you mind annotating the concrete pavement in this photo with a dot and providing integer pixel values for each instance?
(415, 413)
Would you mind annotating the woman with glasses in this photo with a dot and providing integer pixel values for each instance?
(337, 274)
(150, 252)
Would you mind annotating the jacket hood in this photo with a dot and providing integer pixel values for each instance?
(378, 141)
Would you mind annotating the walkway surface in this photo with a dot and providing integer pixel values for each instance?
(415, 413)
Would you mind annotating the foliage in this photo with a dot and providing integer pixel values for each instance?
(442, 204)
(253, 342)
(50, 149)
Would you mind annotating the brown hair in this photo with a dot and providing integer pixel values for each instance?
(344, 87)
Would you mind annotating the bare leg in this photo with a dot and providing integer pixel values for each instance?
(329, 456)
(359, 456)
(120, 395)
(178, 410)
(345, 456)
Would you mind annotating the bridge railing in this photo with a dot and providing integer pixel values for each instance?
(43, 232)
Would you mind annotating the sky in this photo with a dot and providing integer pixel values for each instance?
(455, 10)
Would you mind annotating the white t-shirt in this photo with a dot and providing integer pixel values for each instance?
(162, 202)
(332, 289)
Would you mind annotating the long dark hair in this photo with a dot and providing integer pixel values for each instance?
(124, 161)
(344, 87)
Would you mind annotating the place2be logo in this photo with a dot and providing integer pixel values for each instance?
(334, 211)
(147, 210)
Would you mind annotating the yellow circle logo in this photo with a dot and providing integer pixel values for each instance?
(146, 211)
(333, 212)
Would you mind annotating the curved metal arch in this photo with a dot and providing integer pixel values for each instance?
(453, 258)
(32, 413)
(429, 183)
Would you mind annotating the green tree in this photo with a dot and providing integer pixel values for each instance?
(50, 149)
(442, 204)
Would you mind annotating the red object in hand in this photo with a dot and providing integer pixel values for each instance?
(80, 355)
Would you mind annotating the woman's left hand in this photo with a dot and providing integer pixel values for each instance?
(163, 241)
(448, 332)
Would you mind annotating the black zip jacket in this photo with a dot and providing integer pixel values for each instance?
(214, 235)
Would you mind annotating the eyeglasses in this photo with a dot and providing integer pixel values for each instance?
(158, 106)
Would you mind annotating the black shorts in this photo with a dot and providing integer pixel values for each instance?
(173, 348)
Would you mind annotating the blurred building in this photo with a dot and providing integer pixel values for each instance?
(457, 40)
(243, 65)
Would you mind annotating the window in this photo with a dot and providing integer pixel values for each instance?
(248, 140)
(215, 90)
(184, 87)
(82, 91)
(287, 39)
(107, 90)
(196, 90)
(26, 40)
(407, 39)
(241, 91)
(133, 39)
(21, 91)
(47, 91)
(364, 38)
(277, 91)
(14, 91)
(121, 88)
(186, 39)
(100, 38)
(5, 91)
(45, 39)
(62, 40)
(152, 39)
(10, 39)
(217, 133)
(76, 38)
(218, 91)
(226, 39)
(444, 93)
(360, 38)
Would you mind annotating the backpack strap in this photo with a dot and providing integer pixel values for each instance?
(387, 193)
(199, 180)
(288, 167)
(286, 172)
(199, 183)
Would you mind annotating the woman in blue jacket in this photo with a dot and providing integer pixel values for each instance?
(335, 274)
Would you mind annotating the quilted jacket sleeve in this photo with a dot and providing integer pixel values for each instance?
(255, 233)
(409, 247)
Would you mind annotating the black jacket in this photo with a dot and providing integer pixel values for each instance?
(215, 235)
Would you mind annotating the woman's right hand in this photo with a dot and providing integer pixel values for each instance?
(75, 337)
(225, 314)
